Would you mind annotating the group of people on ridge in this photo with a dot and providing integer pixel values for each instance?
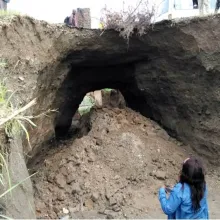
(203, 6)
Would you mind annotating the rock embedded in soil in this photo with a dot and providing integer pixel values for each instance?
(50, 178)
(70, 178)
(40, 206)
(98, 141)
(21, 78)
(56, 210)
(60, 180)
(89, 204)
(95, 196)
(61, 196)
(91, 157)
(116, 208)
(76, 188)
(75, 209)
(160, 175)
(110, 214)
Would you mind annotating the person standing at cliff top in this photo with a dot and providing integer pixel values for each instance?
(195, 4)
(3, 4)
(203, 7)
(72, 19)
(217, 6)
(101, 24)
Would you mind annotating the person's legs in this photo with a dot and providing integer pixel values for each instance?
(195, 4)
(217, 6)
(201, 7)
(4, 5)
(206, 6)
(1, 5)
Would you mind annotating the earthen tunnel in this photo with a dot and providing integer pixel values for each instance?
(81, 80)
(171, 74)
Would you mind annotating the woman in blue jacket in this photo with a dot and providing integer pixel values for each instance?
(188, 198)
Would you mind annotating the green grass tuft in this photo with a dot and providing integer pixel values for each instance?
(8, 13)
(16, 125)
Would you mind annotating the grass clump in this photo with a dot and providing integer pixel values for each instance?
(12, 119)
(8, 13)
(13, 123)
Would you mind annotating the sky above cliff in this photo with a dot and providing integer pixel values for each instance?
(56, 11)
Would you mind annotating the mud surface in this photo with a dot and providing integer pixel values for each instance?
(113, 172)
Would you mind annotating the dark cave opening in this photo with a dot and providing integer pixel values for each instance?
(84, 79)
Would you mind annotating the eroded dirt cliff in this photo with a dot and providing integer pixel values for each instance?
(170, 75)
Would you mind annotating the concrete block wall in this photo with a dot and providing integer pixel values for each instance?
(83, 17)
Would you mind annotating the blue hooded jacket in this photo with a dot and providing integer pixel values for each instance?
(179, 203)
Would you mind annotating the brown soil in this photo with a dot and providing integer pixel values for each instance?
(113, 172)
(117, 168)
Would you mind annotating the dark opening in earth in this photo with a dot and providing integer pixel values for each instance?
(82, 80)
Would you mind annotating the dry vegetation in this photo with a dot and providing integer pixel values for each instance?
(13, 123)
(132, 20)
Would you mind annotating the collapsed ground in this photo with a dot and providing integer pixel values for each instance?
(114, 171)
(172, 70)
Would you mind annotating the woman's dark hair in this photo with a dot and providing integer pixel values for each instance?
(193, 174)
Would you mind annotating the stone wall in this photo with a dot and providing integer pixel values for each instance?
(83, 17)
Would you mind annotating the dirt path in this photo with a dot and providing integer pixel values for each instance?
(115, 171)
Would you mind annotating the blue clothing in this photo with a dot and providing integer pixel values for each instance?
(179, 203)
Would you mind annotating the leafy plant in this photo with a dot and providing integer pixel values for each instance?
(86, 105)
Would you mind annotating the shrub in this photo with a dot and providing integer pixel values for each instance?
(135, 19)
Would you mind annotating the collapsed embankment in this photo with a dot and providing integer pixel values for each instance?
(170, 75)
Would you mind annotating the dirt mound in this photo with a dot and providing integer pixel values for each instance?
(115, 171)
